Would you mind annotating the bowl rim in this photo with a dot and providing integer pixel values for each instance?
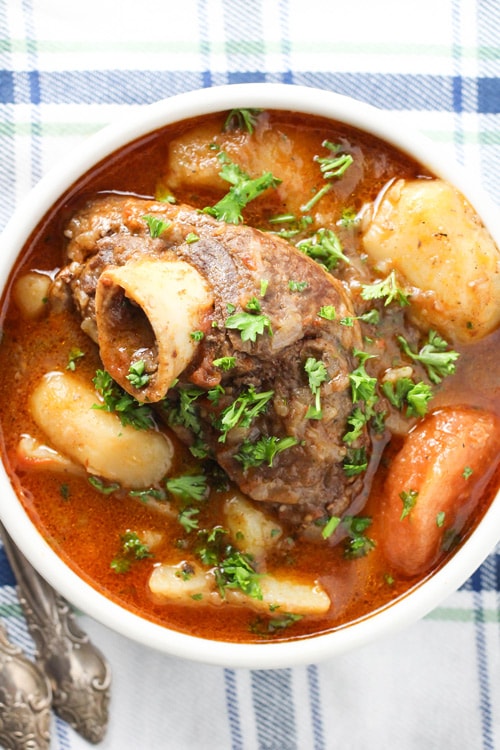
(388, 126)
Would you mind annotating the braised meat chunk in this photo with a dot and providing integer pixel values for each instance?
(238, 337)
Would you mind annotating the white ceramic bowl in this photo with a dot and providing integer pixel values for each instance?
(264, 655)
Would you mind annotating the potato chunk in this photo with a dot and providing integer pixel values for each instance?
(30, 293)
(62, 406)
(428, 232)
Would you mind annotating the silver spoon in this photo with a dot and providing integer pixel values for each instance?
(79, 674)
(25, 700)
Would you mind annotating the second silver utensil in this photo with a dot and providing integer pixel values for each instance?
(79, 674)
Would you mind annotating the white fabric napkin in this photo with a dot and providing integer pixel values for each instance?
(67, 70)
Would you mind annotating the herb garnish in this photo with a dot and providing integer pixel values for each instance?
(406, 395)
(242, 119)
(249, 322)
(244, 189)
(409, 500)
(243, 410)
(105, 489)
(433, 355)
(387, 288)
(358, 544)
(188, 486)
(137, 375)
(316, 374)
(332, 166)
(225, 363)
(131, 549)
(128, 409)
(355, 462)
(74, 355)
(263, 450)
(232, 569)
(156, 225)
(324, 247)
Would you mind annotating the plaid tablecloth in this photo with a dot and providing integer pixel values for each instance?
(69, 68)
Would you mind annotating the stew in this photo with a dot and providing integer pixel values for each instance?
(250, 386)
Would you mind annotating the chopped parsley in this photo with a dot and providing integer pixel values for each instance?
(188, 487)
(267, 626)
(332, 167)
(242, 119)
(105, 489)
(317, 374)
(263, 450)
(467, 472)
(225, 363)
(131, 549)
(324, 247)
(357, 544)
(243, 410)
(74, 355)
(440, 518)
(249, 322)
(115, 399)
(406, 395)
(434, 355)
(156, 225)
(355, 462)
(244, 189)
(409, 500)
(137, 375)
(327, 312)
(297, 286)
(196, 335)
(387, 288)
(330, 526)
(232, 568)
(363, 386)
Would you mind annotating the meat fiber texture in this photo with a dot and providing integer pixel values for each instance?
(235, 260)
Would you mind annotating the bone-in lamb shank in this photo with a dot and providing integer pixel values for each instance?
(225, 339)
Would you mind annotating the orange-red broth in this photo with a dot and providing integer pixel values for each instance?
(84, 526)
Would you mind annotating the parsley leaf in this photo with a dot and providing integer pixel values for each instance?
(185, 412)
(188, 486)
(250, 325)
(433, 355)
(409, 500)
(130, 411)
(156, 225)
(358, 544)
(225, 363)
(355, 462)
(235, 571)
(363, 386)
(137, 375)
(232, 569)
(131, 549)
(332, 166)
(74, 355)
(242, 119)
(324, 247)
(244, 189)
(263, 450)
(404, 393)
(317, 374)
(243, 410)
(387, 288)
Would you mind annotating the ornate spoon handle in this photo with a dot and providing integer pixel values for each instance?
(78, 672)
(25, 700)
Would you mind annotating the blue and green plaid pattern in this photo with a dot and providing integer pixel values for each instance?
(66, 70)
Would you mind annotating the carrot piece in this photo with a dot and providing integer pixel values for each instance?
(435, 483)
